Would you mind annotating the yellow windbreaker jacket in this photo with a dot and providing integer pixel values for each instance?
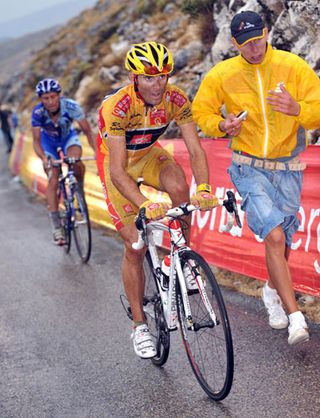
(238, 86)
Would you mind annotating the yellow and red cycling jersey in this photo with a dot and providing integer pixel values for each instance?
(124, 114)
(238, 85)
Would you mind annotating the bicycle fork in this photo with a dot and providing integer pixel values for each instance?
(185, 298)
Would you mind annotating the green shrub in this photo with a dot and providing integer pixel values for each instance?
(196, 8)
(149, 7)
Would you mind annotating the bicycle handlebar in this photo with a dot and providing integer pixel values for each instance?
(67, 160)
(185, 209)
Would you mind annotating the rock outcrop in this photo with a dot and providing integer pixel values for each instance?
(87, 54)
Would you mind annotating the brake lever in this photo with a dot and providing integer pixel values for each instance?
(231, 206)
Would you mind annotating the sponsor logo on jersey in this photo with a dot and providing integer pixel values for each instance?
(176, 98)
(141, 139)
(39, 111)
(128, 208)
(186, 113)
(115, 127)
(71, 105)
(158, 117)
(121, 108)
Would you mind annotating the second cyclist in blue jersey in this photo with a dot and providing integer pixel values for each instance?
(52, 128)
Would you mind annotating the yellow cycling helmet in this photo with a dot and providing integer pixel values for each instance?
(149, 58)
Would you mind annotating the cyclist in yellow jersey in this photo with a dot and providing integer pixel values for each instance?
(131, 120)
(280, 93)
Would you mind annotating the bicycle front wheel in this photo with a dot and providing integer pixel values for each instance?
(153, 311)
(208, 343)
(81, 225)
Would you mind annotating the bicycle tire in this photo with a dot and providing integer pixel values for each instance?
(153, 310)
(65, 219)
(209, 347)
(81, 225)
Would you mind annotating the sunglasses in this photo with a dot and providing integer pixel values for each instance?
(153, 70)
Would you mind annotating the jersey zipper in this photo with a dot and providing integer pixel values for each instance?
(264, 114)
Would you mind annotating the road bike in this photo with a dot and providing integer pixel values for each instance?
(200, 314)
(73, 209)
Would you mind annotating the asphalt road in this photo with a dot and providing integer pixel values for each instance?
(65, 348)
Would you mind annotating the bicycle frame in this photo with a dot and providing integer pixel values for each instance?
(178, 245)
(168, 297)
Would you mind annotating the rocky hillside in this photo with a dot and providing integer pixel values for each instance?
(14, 52)
(87, 54)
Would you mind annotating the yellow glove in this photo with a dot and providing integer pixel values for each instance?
(154, 210)
(203, 198)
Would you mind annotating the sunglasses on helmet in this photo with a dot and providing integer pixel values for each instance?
(153, 70)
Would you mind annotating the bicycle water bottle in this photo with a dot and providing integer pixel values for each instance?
(165, 269)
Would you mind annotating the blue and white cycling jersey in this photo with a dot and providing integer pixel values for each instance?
(61, 130)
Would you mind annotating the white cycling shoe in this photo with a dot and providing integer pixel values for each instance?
(58, 236)
(142, 342)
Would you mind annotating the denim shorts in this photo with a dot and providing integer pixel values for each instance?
(50, 145)
(269, 198)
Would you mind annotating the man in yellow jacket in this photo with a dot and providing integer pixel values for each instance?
(281, 95)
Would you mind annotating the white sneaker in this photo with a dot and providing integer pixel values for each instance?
(298, 329)
(142, 342)
(277, 316)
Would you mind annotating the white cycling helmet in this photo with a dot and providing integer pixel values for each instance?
(47, 85)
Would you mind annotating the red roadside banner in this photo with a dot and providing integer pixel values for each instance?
(240, 250)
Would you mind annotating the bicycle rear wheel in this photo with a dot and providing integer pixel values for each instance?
(81, 225)
(208, 345)
(153, 310)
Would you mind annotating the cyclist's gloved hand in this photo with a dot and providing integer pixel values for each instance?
(154, 210)
(203, 198)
